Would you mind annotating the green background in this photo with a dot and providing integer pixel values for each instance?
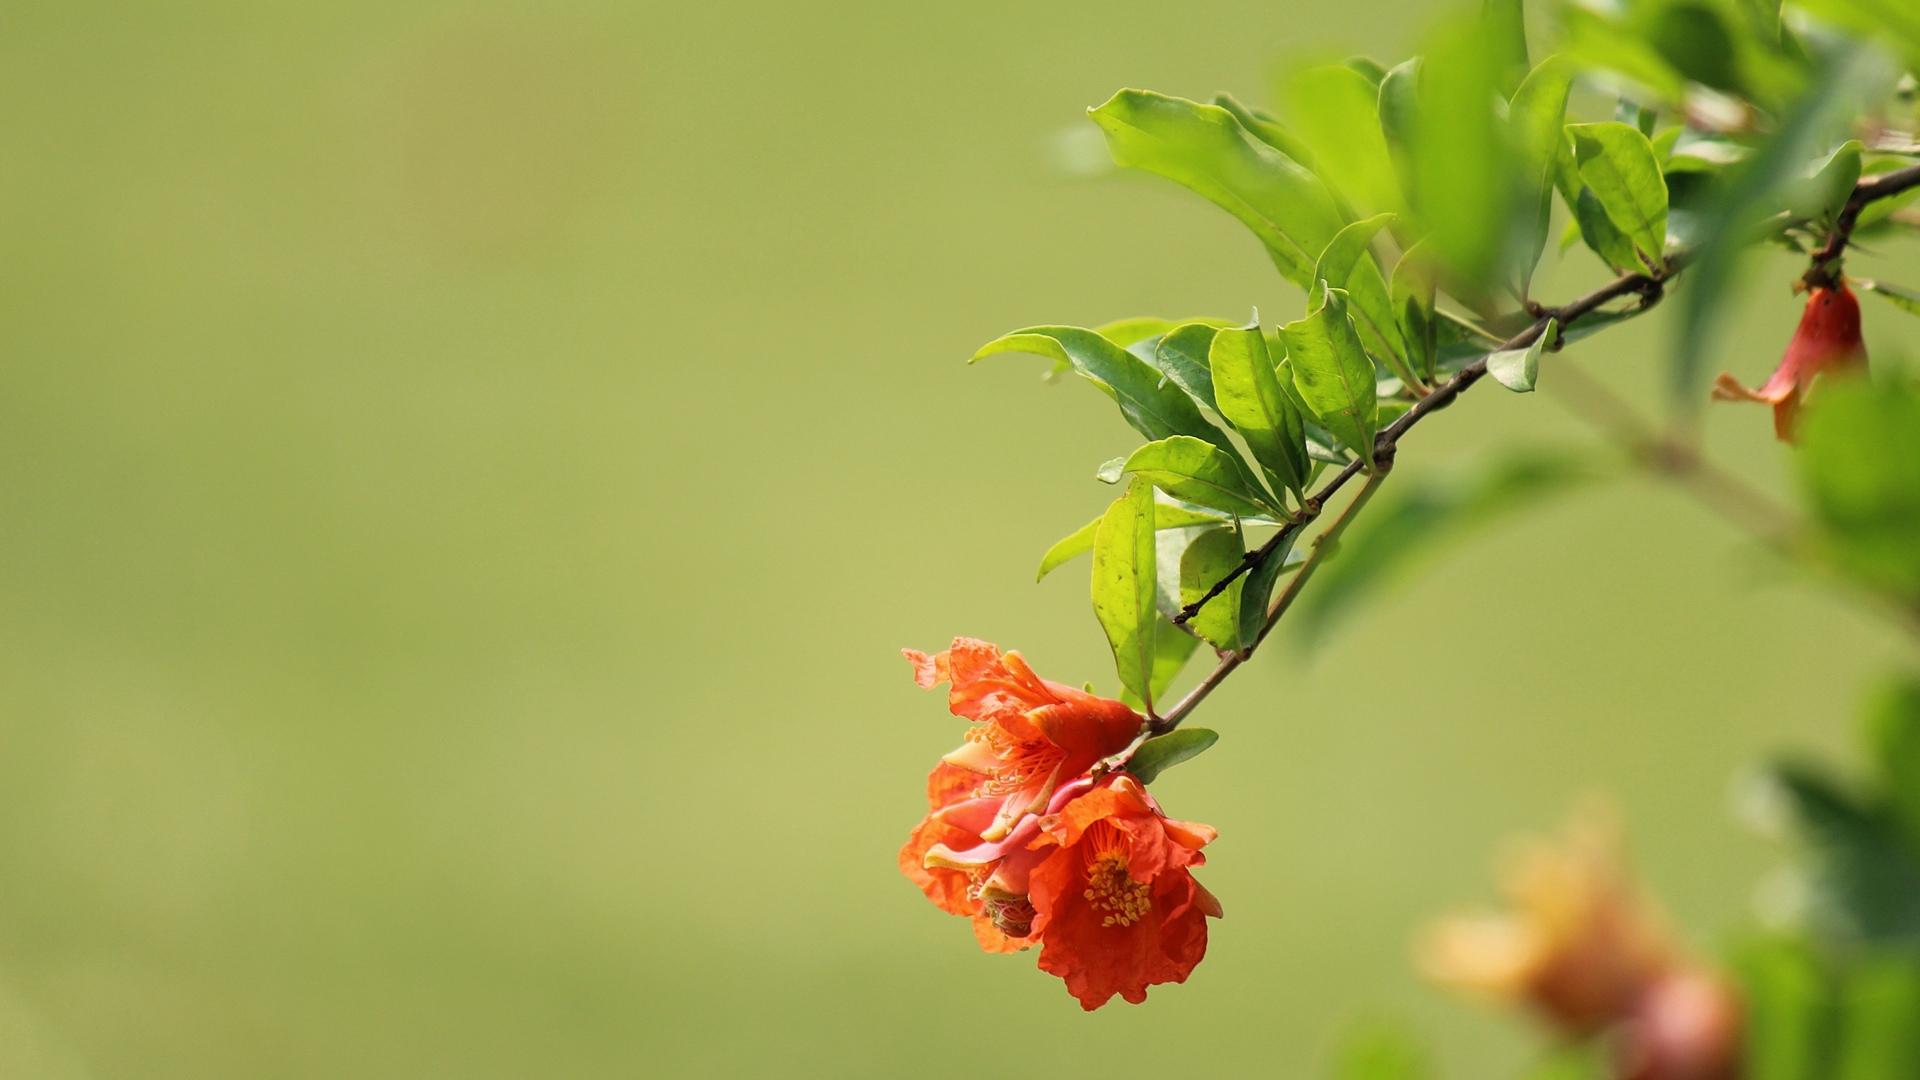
(466, 471)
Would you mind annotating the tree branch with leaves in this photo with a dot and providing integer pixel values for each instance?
(1412, 204)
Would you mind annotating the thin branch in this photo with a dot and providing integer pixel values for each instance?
(1324, 546)
(1824, 268)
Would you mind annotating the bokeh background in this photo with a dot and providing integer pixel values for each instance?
(466, 470)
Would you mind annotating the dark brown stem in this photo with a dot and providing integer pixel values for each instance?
(1323, 549)
(1823, 268)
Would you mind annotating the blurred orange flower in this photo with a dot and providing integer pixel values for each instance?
(1827, 340)
(1586, 950)
(1579, 944)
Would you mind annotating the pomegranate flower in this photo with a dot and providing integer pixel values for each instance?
(1827, 340)
(1029, 737)
(1587, 951)
(1115, 904)
(1580, 944)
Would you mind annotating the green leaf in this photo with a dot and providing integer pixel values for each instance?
(1894, 21)
(1505, 23)
(1864, 881)
(1893, 731)
(1602, 236)
(1268, 130)
(1516, 369)
(1256, 589)
(1411, 293)
(1200, 473)
(1618, 165)
(1205, 149)
(1594, 41)
(1332, 373)
(1211, 556)
(1250, 398)
(1162, 752)
(1171, 651)
(1348, 263)
(1130, 331)
(1336, 110)
(1860, 465)
(1167, 515)
(1182, 357)
(1821, 194)
(1399, 105)
(1903, 298)
(1785, 992)
(1460, 163)
(1123, 586)
(1154, 408)
(1418, 522)
(1880, 1018)
(1538, 117)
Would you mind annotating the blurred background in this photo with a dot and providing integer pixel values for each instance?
(466, 470)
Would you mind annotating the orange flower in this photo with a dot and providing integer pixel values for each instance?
(985, 880)
(1116, 907)
(1827, 340)
(1031, 735)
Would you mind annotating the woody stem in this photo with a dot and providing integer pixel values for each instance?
(1324, 546)
(1823, 267)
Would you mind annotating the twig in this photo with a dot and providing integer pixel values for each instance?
(1323, 548)
(1824, 264)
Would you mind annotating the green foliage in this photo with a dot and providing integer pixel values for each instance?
(1200, 473)
(1861, 871)
(1893, 734)
(1210, 557)
(1860, 468)
(1537, 114)
(1742, 196)
(1348, 263)
(1516, 369)
(1332, 373)
(1167, 515)
(1154, 408)
(1248, 393)
(1205, 149)
(1618, 166)
(1124, 560)
(1334, 109)
(1182, 356)
(1162, 752)
(1901, 297)
(1256, 589)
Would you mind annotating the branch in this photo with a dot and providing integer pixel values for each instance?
(1323, 548)
(1824, 268)
(1385, 445)
(1729, 495)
